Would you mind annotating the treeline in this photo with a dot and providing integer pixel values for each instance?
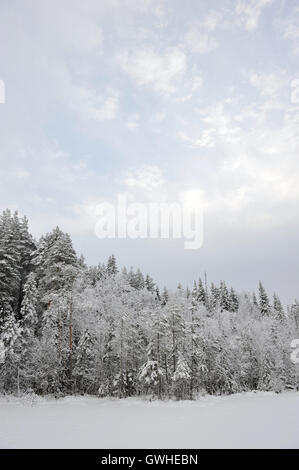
(67, 328)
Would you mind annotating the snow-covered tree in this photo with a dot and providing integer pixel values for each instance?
(278, 308)
(151, 373)
(224, 298)
(201, 293)
(233, 301)
(165, 296)
(69, 328)
(264, 304)
(29, 306)
(112, 266)
(181, 378)
(149, 283)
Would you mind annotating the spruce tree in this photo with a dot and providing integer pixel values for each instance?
(112, 266)
(278, 308)
(201, 293)
(151, 373)
(264, 304)
(165, 296)
(224, 297)
(181, 378)
(29, 306)
(233, 300)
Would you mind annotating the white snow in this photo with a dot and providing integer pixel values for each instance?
(249, 420)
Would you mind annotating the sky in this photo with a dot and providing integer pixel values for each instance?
(157, 99)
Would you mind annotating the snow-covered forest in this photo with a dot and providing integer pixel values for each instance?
(68, 328)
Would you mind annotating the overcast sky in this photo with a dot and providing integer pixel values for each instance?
(155, 98)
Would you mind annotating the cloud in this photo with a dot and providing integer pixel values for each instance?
(290, 27)
(91, 105)
(108, 110)
(158, 117)
(221, 123)
(160, 71)
(206, 139)
(146, 178)
(291, 24)
(269, 85)
(133, 121)
(196, 82)
(248, 12)
(201, 42)
(212, 20)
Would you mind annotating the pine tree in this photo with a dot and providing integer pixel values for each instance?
(151, 373)
(112, 266)
(10, 260)
(181, 378)
(149, 283)
(136, 280)
(11, 332)
(214, 298)
(294, 314)
(139, 280)
(29, 306)
(201, 293)
(277, 308)
(27, 343)
(233, 301)
(224, 297)
(158, 296)
(165, 296)
(180, 289)
(56, 264)
(264, 304)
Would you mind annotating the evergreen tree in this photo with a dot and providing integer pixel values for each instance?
(136, 280)
(151, 373)
(158, 296)
(201, 293)
(214, 297)
(29, 305)
(165, 296)
(65, 327)
(10, 263)
(277, 308)
(181, 378)
(233, 301)
(224, 297)
(112, 266)
(139, 280)
(149, 283)
(56, 264)
(11, 332)
(264, 304)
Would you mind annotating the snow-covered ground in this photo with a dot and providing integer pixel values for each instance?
(250, 420)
